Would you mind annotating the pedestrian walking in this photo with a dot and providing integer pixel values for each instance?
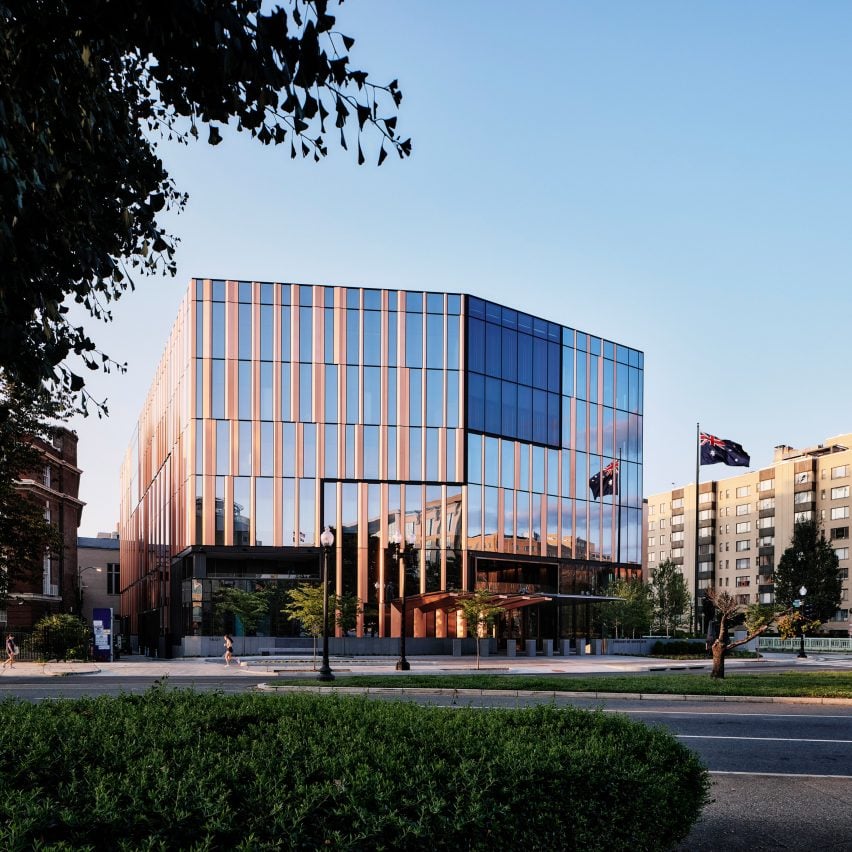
(11, 651)
(229, 649)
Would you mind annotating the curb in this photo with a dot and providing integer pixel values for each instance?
(530, 693)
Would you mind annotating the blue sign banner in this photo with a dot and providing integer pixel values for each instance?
(102, 628)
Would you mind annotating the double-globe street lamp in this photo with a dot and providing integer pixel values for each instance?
(402, 553)
(802, 592)
(327, 542)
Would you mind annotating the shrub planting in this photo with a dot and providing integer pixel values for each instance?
(179, 770)
(679, 648)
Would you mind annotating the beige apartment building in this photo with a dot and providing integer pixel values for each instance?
(746, 522)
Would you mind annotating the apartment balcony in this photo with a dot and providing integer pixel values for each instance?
(766, 513)
(49, 589)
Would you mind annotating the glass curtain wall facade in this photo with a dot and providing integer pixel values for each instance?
(471, 429)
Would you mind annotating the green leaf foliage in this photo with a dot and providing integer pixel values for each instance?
(305, 606)
(671, 597)
(89, 91)
(809, 561)
(631, 615)
(179, 770)
(60, 637)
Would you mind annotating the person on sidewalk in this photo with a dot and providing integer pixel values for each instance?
(229, 650)
(11, 651)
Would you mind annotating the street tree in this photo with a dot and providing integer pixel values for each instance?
(89, 92)
(632, 613)
(757, 619)
(25, 534)
(809, 561)
(305, 606)
(250, 607)
(670, 596)
(479, 612)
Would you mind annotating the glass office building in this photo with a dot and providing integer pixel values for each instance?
(471, 429)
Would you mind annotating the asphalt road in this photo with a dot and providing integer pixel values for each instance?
(781, 773)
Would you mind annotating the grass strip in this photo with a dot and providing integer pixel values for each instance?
(778, 684)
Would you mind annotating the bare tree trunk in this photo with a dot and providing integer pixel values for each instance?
(718, 650)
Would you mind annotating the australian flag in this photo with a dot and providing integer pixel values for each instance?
(605, 481)
(715, 450)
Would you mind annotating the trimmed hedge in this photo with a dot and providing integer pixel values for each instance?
(679, 648)
(180, 770)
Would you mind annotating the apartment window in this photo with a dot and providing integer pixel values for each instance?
(743, 582)
(677, 519)
(744, 544)
(677, 504)
(840, 532)
(662, 523)
(766, 503)
(766, 523)
(652, 525)
(804, 476)
(662, 507)
(113, 578)
(652, 557)
(839, 512)
(677, 536)
(743, 508)
(663, 556)
(841, 552)
(798, 517)
(766, 485)
(744, 527)
(705, 550)
(803, 497)
(840, 472)
(743, 491)
(706, 497)
(742, 565)
(651, 510)
(677, 551)
(766, 541)
(705, 515)
(652, 541)
(662, 539)
(840, 492)
(742, 599)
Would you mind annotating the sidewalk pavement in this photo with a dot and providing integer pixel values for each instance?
(204, 667)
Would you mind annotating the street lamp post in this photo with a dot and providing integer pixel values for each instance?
(802, 655)
(327, 542)
(402, 664)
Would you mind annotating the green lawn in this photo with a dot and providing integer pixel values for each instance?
(812, 684)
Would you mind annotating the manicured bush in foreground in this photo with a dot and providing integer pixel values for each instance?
(179, 770)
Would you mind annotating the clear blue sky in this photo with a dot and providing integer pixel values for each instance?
(673, 176)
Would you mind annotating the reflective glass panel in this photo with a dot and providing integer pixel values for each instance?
(264, 511)
(307, 500)
(309, 449)
(435, 340)
(372, 337)
(453, 343)
(353, 337)
(434, 397)
(242, 510)
(492, 476)
(413, 340)
(266, 390)
(218, 397)
(474, 458)
(218, 340)
(415, 397)
(245, 448)
(286, 391)
(432, 454)
(353, 396)
(266, 335)
(331, 393)
(372, 395)
(452, 398)
(288, 458)
(199, 329)
(267, 454)
(285, 334)
(244, 410)
(330, 469)
(371, 452)
(306, 334)
(305, 392)
(288, 510)
(245, 351)
(223, 447)
(415, 468)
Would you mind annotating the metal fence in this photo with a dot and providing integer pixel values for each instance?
(35, 646)
(812, 643)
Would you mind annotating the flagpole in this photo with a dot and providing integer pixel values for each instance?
(696, 617)
(618, 535)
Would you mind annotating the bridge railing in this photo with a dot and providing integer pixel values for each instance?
(812, 643)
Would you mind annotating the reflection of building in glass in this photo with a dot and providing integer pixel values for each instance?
(471, 427)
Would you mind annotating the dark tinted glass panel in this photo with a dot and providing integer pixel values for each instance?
(476, 402)
(525, 359)
(540, 416)
(509, 355)
(622, 387)
(493, 341)
(493, 313)
(554, 402)
(493, 414)
(476, 307)
(539, 363)
(509, 402)
(510, 318)
(554, 366)
(525, 413)
(539, 327)
(525, 323)
(476, 345)
(413, 340)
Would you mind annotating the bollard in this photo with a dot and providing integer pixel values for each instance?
(530, 648)
(548, 647)
(581, 646)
